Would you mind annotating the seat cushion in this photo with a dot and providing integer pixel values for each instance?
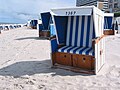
(77, 50)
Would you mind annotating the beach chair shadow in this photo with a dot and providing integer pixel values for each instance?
(31, 38)
(19, 69)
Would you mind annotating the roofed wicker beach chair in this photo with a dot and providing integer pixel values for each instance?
(46, 29)
(11, 27)
(79, 42)
(33, 24)
(108, 24)
(1, 28)
(116, 25)
(6, 27)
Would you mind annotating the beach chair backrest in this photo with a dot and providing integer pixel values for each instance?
(108, 22)
(33, 22)
(45, 17)
(80, 31)
(61, 28)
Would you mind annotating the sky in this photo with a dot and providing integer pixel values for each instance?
(20, 11)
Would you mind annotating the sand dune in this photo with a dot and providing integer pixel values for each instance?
(25, 65)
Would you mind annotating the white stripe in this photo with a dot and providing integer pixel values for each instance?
(85, 31)
(67, 49)
(59, 50)
(79, 30)
(68, 30)
(91, 32)
(90, 53)
(84, 52)
(73, 32)
(77, 52)
(71, 51)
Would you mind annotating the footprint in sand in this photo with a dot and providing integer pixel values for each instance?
(30, 82)
(41, 86)
(18, 86)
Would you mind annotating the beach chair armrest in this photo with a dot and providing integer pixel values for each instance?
(54, 45)
(53, 37)
(60, 45)
(96, 40)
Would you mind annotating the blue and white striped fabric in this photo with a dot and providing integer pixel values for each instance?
(77, 50)
(80, 32)
(108, 23)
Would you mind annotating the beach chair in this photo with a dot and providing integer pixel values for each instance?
(117, 25)
(15, 26)
(33, 24)
(46, 29)
(11, 27)
(108, 24)
(1, 28)
(79, 42)
(6, 27)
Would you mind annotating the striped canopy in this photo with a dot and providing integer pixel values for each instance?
(108, 22)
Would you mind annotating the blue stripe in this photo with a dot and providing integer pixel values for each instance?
(88, 51)
(76, 32)
(62, 50)
(93, 35)
(71, 29)
(88, 31)
(80, 52)
(70, 49)
(109, 21)
(75, 50)
(93, 53)
(82, 31)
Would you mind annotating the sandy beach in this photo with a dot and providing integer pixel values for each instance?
(25, 64)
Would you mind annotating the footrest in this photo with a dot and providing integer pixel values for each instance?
(44, 33)
(73, 69)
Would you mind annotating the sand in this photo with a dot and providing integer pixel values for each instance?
(25, 65)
